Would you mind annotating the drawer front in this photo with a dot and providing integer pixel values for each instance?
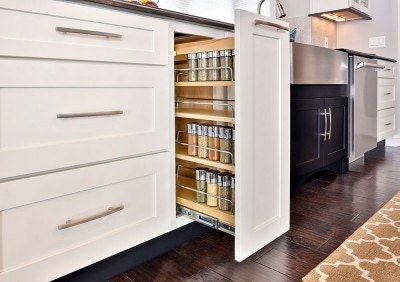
(386, 93)
(389, 71)
(44, 128)
(134, 39)
(386, 123)
(132, 209)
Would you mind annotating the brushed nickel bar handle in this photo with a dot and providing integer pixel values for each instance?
(326, 124)
(72, 223)
(90, 114)
(330, 123)
(388, 93)
(389, 123)
(278, 26)
(369, 65)
(89, 32)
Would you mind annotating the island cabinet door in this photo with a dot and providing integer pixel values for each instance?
(263, 131)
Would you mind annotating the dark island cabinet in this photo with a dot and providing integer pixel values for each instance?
(318, 135)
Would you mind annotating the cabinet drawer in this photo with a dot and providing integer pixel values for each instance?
(133, 39)
(47, 128)
(386, 123)
(388, 71)
(39, 233)
(386, 93)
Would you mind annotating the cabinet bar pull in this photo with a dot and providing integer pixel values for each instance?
(90, 114)
(388, 93)
(72, 223)
(278, 26)
(330, 123)
(369, 65)
(89, 32)
(326, 124)
(389, 123)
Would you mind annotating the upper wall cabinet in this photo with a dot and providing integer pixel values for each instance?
(341, 10)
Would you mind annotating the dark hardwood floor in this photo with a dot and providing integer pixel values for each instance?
(324, 213)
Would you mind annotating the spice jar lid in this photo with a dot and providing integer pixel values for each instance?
(213, 54)
(202, 129)
(225, 132)
(192, 127)
(232, 181)
(202, 55)
(192, 56)
(201, 173)
(213, 131)
(225, 53)
(212, 176)
(224, 179)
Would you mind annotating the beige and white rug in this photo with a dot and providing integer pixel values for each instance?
(371, 253)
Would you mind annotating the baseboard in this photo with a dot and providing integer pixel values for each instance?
(122, 262)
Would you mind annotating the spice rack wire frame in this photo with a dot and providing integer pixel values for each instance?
(202, 147)
(209, 68)
(187, 198)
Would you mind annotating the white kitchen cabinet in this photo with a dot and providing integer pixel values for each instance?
(386, 123)
(260, 99)
(348, 9)
(84, 127)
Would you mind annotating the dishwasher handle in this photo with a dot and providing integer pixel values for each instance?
(369, 65)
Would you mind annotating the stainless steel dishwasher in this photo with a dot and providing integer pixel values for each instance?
(363, 105)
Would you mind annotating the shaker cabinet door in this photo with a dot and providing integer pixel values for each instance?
(263, 138)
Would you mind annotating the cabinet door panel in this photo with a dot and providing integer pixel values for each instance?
(262, 124)
(335, 148)
(307, 124)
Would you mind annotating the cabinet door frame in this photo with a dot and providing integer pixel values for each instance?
(262, 142)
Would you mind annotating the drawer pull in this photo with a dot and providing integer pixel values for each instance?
(89, 32)
(387, 124)
(72, 223)
(388, 93)
(91, 114)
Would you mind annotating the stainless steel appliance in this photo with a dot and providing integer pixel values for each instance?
(363, 105)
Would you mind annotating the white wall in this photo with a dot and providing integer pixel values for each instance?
(221, 10)
(296, 8)
(354, 34)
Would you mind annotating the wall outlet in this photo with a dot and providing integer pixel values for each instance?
(326, 42)
(377, 42)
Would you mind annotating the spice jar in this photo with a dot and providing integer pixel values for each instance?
(192, 138)
(226, 60)
(212, 187)
(213, 142)
(201, 184)
(225, 144)
(202, 140)
(224, 191)
(233, 192)
(213, 61)
(202, 63)
(192, 64)
(233, 64)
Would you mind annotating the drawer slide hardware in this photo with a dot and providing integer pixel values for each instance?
(72, 223)
(91, 114)
(205, 219)
(88, 32)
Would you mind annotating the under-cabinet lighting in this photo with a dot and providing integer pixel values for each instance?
(333, 17)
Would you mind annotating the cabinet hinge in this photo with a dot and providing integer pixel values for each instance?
(204, 219)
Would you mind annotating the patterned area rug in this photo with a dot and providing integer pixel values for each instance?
(371, 253)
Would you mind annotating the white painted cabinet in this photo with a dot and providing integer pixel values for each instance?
(84, 136)
(386, 123)
(356, 6)
(260, 98)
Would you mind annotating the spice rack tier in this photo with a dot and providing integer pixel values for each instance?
(204, 91)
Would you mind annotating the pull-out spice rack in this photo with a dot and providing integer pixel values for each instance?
(202, 102)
